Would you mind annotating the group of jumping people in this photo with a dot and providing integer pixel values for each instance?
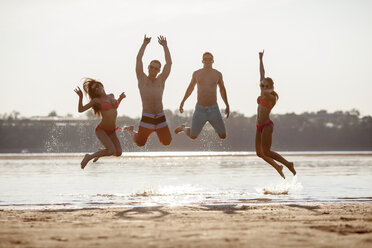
(151, 88)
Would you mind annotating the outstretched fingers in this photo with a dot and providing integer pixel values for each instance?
(162, 40)
(78, 91)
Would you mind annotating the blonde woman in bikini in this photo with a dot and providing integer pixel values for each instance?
(265, 127)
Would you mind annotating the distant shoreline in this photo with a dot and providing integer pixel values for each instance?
(181, 154)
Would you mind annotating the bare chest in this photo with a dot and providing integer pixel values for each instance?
(207, 78)
(148, 86)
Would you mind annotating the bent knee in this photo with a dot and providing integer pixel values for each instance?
(222, 136)
(266, 153)
(111, 151)
(140, 143)
(118, 153)
(167, 142)
(259, 153)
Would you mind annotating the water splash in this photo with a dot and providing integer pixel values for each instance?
(146, 193)
(170, 190)
(286, 187)
(52, 144)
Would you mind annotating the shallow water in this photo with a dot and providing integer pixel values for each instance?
(177, 179)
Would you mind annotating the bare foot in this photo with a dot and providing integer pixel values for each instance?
(84, 161)
(179, 129)
(291, 168)
(96, 159)
(280, 171)
(129, 128)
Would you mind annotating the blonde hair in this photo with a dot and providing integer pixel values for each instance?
(271, 83)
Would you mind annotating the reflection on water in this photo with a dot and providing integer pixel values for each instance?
(174, 179)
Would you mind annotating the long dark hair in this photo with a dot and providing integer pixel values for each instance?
(271, 83)
(91, 91)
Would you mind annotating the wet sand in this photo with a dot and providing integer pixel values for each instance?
(296, 225)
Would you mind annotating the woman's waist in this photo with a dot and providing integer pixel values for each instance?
(107, 124)
(262, 119)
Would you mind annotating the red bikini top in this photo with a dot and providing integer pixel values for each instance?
(264, 102)
(107, 106)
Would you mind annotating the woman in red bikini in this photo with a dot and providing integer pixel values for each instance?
(103, 105)
(265, 127)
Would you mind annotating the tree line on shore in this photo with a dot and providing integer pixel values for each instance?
(315, 131)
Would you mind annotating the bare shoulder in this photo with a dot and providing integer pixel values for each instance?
(270, 97)
(197, 71)
(217, 72)
(96, 101)
(142, 80)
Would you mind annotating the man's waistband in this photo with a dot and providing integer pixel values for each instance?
(206, 108)
(153, 116)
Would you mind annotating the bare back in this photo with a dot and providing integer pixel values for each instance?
(207, 80)
(151, 94)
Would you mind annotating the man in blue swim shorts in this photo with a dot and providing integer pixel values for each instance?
(206, 108)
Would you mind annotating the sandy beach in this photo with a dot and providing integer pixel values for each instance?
(291, 225)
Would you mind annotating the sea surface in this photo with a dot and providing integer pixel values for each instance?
(181, 179)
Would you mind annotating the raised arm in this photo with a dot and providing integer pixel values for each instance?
(139, 64)
(168, 60)
(121, 97)
(189, 90)
(223, 93)
(262, 69)
(81, 107)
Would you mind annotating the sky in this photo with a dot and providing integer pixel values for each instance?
(319, 53)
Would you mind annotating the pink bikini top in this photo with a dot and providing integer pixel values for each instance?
(264, 102)
(107, 106)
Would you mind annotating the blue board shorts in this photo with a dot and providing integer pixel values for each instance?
(202, 114)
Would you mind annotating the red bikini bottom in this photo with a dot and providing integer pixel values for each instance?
(108, 132)
(261, 127)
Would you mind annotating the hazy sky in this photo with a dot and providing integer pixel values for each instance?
(319, 53)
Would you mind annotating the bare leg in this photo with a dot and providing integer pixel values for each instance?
(164, 135)
(263, 144)
(107, 143)
(279, 158)
(179, 129)
(96, 159)
(277, 167)
(141, 137)
(116, 142)
(88, 157)
(185, 129)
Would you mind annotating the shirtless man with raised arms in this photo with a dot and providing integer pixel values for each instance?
(151, 89)
(206, 108)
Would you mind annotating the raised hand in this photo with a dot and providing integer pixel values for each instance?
(122, 96)
(162, 40)
(79, 92)
(261, 54)
(146, 40)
